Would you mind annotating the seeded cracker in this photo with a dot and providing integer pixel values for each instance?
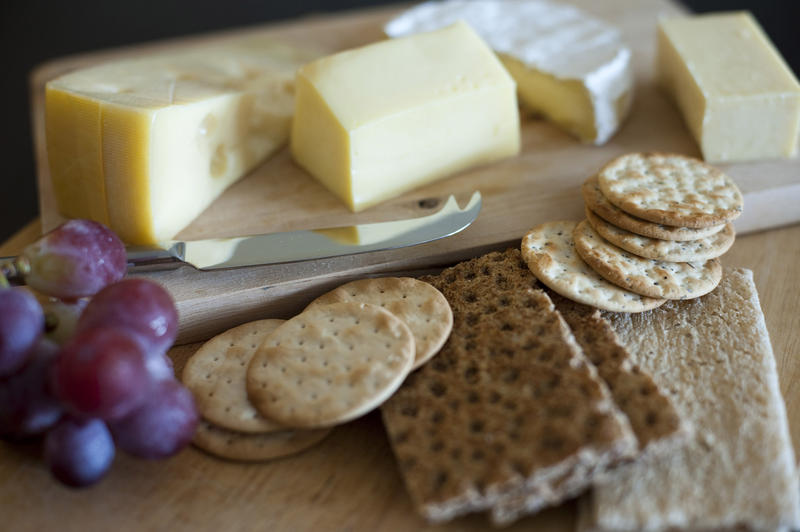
(653, 278)
(652, 415)
(509, 403)
(598, 204)
(216, 376)
(330, 364)
(737, 471)
(244, 447)
(423, 308)
(699, 250)
(670, 189)
(550, 253)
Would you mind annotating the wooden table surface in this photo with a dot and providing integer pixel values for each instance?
(349, 481)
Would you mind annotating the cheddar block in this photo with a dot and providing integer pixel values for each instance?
(373, 122)
(737, 95)
(145, 145)
(569, 66)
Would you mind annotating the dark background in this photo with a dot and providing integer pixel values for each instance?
(34, 31)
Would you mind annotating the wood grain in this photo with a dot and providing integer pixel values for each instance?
(348, 482)
(541, 184)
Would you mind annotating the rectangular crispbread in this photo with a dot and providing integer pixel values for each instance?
(652, 415)
(509, 403)
(738, 468)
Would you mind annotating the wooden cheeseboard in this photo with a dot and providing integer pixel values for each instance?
(539, 185)
(350, 481)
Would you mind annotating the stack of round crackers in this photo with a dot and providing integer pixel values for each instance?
(271, 388)
(654, 229)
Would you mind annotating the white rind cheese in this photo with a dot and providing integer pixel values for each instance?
(569, 66)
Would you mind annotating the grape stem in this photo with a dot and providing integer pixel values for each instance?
(13, 270)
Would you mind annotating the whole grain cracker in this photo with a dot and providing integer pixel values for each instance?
(248, 447)
(330, 364)
(699, 250)
(509, 403)
(216, 376)
(423, 308)
(650, 411)
(738, 469)
(597, 203)
(550, 253)
(670, 189)
(653, 278)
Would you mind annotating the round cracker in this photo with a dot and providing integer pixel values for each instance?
(670, 189)
(330, 364)
(549, 251)
(667, 250)
(216, 376)
(648, 277)
(421, 306)
(598, 204)
(245, 447)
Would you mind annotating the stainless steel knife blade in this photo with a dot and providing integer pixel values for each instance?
(294, 246)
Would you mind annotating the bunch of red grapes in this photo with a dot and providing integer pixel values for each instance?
(84, 363)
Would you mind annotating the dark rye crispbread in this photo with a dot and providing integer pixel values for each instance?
(509, 403)
(651, 413)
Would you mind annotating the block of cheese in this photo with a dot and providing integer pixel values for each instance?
(739, 98)
(569, 67)
(373, 122)
(144, 145)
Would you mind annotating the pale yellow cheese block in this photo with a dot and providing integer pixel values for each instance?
(739, 98)
(145, 145)
(373, 122)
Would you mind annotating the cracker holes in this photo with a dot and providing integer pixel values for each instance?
(440, 480)
(438, 389)
(409, 411)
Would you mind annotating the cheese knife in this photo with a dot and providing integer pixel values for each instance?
(295, 246)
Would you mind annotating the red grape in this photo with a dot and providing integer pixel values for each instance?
(159, 365)
(139, 305)
(27, 406)
(76, 259)
(79, 451)
(21, 324)
(102, 373)
(160, 427)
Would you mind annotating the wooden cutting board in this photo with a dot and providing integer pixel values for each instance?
(539, 185)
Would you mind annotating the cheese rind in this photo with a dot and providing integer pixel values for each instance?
(569, 66)
(146, 145)
(374, 122)
(737, 96)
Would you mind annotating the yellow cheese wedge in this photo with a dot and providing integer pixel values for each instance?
(374, 122)
(145, 145)
(738, 97)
